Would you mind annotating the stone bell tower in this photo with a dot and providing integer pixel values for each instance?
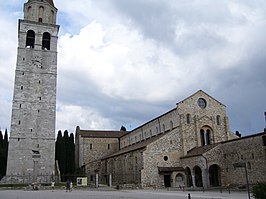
(32, 134)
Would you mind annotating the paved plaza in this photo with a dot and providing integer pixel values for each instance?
(118, 194)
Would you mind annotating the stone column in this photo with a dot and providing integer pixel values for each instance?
(110, 180)
(97, 180)
(193, 180)
(205, 178)
(36, 157)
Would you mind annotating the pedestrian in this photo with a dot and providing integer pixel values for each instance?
(68, 185)
(52, 186)
(71, 186)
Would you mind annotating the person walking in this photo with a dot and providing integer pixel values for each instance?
(52, 185)
(68, 185)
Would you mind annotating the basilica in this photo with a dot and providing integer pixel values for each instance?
(190, 145)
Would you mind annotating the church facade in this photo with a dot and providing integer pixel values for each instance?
(188, 146)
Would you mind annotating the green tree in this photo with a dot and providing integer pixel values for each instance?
(65, 154)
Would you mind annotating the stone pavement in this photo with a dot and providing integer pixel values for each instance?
(118, 194)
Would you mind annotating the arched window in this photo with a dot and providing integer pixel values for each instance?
(218, 120)
(188, 118)
(163, 128)
(171, 125)
(208, 137)
(41, 8)
(52, 17)
(46, 39)
(202, 137)
(30, 39)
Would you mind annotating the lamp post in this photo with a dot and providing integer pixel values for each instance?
(243, 165)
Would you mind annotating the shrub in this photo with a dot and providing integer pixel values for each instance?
(259, 191)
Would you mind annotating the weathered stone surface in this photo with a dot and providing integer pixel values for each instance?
(34, 98)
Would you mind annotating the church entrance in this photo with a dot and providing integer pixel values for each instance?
(167, 180)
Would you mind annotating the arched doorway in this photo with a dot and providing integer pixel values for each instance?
(214, 175)
(179, 180)
(189, 182)
(198, 176)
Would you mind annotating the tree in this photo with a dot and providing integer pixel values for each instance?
(3, 153)
(65, 153)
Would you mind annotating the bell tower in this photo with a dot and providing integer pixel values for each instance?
(32, 133)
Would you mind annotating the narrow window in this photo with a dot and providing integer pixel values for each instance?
(252, 155)
(30, 130)
(18, 139)
(46, 39)
(171, 142)
(218, 120)
(188, 118)
(90, 146)
(19, 122)
(30, 39)
(39, 81)
(21, 87)
(171, 125)
(19, 105)
(202, 139)
(108, 146)
(208, 137)
(41, 8)
(52, 17)
(40, 98)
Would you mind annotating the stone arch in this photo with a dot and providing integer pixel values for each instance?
(214, 175)
(198, 176)
(189, 182)
(179, 180)
(30, 39)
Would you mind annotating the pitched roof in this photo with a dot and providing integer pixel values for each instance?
(200, 91)
(101, 134)
(200, 150)
(134, 147)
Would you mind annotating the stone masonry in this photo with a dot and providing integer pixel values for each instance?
(32, 134)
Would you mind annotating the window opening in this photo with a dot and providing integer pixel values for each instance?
(208, 137)
(188, 118)
(202, 137)
(165, 158)
(30, 39)
(218, 119)
(46, 39)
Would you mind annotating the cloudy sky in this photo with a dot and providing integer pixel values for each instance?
(124, 62)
